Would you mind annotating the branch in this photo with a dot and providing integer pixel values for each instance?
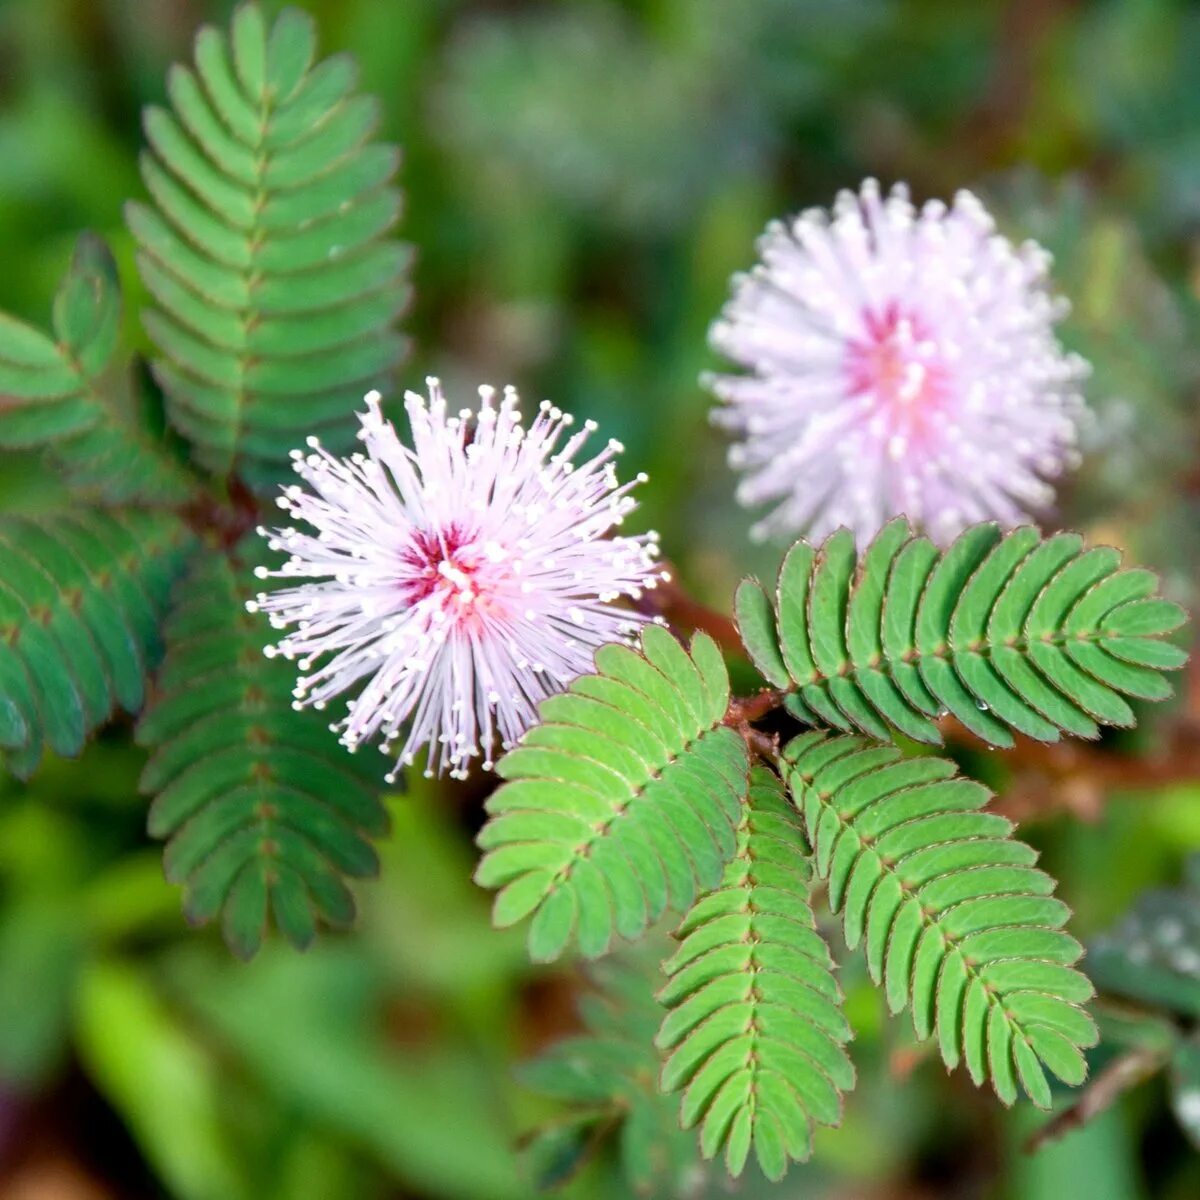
(1114, 1081)
(227, 518)
(745, 709)
(671, 602)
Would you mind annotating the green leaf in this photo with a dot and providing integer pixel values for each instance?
(1003, 632)
(80, 604)
(43, 945)
(553, 1154)
(1185, 1088)
(755, 1031)
(266, 250)
(756, 625)
(72, 397)
(265, 813)
(1153, 953)
(303, 1034)
(622, 804)
(955, 920)
(164, 1082)
(607, 1075)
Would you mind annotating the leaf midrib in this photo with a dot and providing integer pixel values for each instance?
(249, 315)
(913, 656)
(583, 848)
(928, 920)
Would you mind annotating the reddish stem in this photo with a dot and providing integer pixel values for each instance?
(670, 601)
(229, 520)
(744, 709)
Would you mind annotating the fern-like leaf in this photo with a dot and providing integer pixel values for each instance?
(266, 249)
(73, 397)
(1003, 631)
(956, 920)
(264, 810)
(755, 1032)
(622, 803)
(81, 599)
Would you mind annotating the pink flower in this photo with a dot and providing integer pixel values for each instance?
(901, 361)
(461, 581)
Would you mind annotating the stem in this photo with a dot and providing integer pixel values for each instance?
(744, 709)
(1118, 1077)
(670, 601)
(765, 745)
(228, 518)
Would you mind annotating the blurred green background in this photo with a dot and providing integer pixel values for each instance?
(582, 180)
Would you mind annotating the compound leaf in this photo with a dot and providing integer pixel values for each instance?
(266, 247)
(264, 812)
(1002, 631)
(622, 803)
(755, 1030)
(75, 398)
(608, 1074)
(955, 920)
(81, 600)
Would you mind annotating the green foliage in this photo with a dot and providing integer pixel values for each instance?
(1003, 631)
(615, 796)
(81, 600)
(755, 1028)
(576, 100)
(588, 181)
(181, 1129)
(265, 812)
(622, 803)
(1185, 1087)
(1152, 957)
(608, 1075)
(266, 248)
(1153, 954)
(318, 1033)
(72, 396)
(955, 920)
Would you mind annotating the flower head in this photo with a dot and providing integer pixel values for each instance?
(902, 361)
(460, 581)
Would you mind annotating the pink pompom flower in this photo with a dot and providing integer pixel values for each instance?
(459, 581)
(899, 361)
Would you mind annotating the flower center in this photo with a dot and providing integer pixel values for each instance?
(900, 370)
(435, 563)
(449, 568)
(460, 579)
